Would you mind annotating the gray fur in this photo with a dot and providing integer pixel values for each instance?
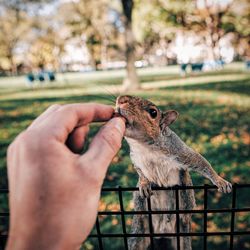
(160, 157)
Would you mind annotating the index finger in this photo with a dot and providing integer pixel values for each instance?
(62, 122)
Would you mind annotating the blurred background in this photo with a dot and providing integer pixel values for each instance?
(188, 55)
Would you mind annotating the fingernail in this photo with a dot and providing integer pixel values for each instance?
(119, 124)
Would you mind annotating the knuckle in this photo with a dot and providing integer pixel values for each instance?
(10, 149)
(55, 106)
(21, 138)
(21, 141)
(65, 109)
(31, 140)
(25, 138)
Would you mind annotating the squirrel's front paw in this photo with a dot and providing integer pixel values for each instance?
(145, 189)
(223, 185)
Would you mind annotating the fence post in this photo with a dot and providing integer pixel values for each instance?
(205, 218)
(123, 218)
(233, 217)
(151, 228)
(177, 218)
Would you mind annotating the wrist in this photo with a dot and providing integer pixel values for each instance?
(37, 240)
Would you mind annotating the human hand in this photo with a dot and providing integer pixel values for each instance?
(54, 192)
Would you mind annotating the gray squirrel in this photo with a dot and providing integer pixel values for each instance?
(161, 158)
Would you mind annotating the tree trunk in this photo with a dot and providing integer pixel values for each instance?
(131, 81)
(93, 61)
(210, 37)
(104, 52)
(10, 57)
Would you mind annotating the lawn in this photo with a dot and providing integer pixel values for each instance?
(214, 119)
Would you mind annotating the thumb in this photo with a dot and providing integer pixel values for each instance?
(104, 146)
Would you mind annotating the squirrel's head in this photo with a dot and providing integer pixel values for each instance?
(144, 120)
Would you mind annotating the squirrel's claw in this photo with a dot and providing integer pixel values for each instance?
(145, 189)
(223, 185)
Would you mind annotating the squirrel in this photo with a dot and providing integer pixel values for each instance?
(162, 159)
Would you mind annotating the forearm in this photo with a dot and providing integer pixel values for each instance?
(45, 234)
(199, 164)
(203, 167)
(37, 241)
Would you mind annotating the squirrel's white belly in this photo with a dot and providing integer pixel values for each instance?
(157, 167)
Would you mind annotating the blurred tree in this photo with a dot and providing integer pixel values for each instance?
(210, 16)
(90, 20)
(13, 25)
(176, 13)
(156, 23)
(15, 22)
(46, 48)
(106, 27)
(211, 20)
(131, 81)
(237, 21)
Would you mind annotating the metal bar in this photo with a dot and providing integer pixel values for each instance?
(106, 189)
(4, 190)
(177, 219)
(171, 188)
(181, 211)
(195, 211)
(4, 214)
(177, 234)
(151, 228)
(105, 235)
(123, 219)
(205, 219)
(3, 242)
(233, 218)
(99, 235)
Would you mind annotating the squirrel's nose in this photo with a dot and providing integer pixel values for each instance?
(123, 100)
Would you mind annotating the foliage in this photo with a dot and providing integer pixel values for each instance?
(14, 24)
(214, 120)
(157, 23)
(91, 21)
(238, 22)
(42, 35)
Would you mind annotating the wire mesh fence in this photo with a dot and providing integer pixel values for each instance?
(234, 234)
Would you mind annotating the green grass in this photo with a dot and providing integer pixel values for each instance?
(214, 119)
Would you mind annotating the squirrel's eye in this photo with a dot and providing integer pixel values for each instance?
(152, 112)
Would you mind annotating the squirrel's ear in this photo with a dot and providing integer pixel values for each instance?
(168, 118)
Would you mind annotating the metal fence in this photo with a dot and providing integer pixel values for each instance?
(125, 234)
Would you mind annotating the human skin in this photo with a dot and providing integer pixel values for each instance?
(54, 191)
